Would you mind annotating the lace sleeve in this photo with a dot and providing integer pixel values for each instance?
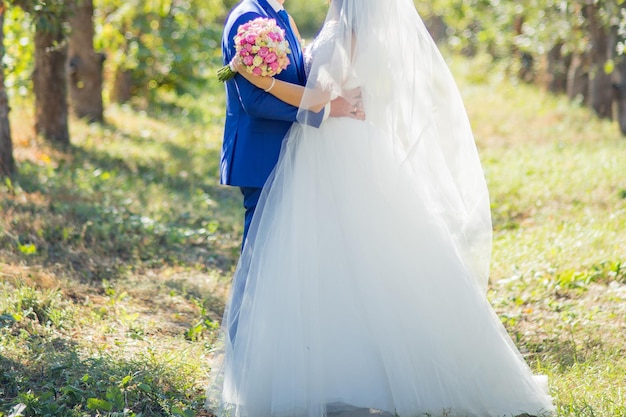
(322, 42)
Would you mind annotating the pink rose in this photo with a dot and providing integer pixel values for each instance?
(271, 57)
(262, 48)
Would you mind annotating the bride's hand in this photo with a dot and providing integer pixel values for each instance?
(350, 104)
(236, 65)
(259, 81)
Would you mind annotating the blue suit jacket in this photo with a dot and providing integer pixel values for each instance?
(256, 121)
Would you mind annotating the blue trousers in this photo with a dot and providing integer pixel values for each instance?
(250, 199)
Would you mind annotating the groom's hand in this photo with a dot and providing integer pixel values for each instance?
(348, 105)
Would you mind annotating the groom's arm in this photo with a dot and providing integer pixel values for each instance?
(258, 103)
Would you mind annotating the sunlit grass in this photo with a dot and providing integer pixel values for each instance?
(115, 257)
(557, 179)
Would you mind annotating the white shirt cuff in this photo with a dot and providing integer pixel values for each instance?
(326, 112)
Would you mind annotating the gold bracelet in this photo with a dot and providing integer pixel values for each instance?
(271, 85)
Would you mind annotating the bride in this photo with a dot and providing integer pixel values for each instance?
(363, 276)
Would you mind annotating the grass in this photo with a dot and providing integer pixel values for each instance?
(116, 254)
(557, 178)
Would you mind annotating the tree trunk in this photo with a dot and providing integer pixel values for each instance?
(437, 28)
(84, 65)
(578, 79)
(7, 164)
(526, 65)
(50, 84)
(600, 90)
(619, 89)
(557, 69)
(122, 85)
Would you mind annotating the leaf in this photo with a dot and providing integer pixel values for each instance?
(125, 380)
(609, 66)
(115, 396)
(27, 249)
(145, 387)
(98, 404)
(8, 183)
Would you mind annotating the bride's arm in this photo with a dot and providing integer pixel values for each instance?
(285, 91)
(318, 99)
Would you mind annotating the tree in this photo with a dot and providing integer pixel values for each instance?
(578, 44)
(7, 164)
(600, 51)
(159, 45)
(84, 65)
(619, 87)
(49, 79)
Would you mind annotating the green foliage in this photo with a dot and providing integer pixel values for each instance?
(18, 58)
(309, 15)
(21, 21)
(164, 44)
(205, 325)
(47, 15)
(505, 29)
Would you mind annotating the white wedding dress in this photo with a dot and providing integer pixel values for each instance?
(353, 293)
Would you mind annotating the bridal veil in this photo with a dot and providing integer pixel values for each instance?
(384, 48)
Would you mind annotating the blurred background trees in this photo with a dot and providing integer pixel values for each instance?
(570, 47)
(80, 55)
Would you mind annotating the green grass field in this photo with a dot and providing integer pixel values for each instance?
(116, 255)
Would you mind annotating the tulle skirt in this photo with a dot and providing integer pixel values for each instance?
(350, 297)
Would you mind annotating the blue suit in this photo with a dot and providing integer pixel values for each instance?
(256, 121)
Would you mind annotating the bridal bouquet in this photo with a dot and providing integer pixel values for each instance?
(261, 47)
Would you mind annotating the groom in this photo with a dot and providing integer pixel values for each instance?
(256, 121)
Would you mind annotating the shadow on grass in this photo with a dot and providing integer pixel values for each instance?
(60, 381)
(565, 353)
(214, 304)
(93, 227)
